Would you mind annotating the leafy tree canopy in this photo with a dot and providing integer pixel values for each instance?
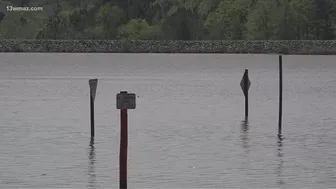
(170, 19)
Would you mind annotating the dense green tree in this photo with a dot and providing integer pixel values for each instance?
(227, 21)
(182, 19)
(171, 19)
(323, 22)
(284, 21)
(261, 19)
(304, 12)
(140, 29)
(108, 18)
(57, 27)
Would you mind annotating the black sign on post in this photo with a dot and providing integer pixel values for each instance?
(245, 85)
(125, 100)
(93, 88)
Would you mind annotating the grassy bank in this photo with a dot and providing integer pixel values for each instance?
(148, 46)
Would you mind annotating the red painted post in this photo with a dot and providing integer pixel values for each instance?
(125, 101)
(123, 149)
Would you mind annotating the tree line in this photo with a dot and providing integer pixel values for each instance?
(172, 19)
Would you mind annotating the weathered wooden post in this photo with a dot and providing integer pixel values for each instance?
(125, 101)
(280, 96)
(245, 85)
(93, 88)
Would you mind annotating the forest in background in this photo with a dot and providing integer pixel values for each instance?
(171, 19)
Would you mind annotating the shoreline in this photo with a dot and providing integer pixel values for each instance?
(299, 47)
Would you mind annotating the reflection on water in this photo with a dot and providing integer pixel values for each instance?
(244, 135)
(92, 159)
(280, 156)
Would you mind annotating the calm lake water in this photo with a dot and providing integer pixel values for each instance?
(187, 130)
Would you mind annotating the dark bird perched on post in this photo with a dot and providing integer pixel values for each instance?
(23, 21)
(2, 16)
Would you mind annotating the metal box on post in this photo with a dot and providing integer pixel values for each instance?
(125, 100)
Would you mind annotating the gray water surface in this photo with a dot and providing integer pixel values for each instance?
(187, 131)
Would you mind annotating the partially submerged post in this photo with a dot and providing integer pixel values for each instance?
(280, 96)
(245, 85)
(93, 88)
(125, 101)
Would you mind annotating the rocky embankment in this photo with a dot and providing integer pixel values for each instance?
(148, 46)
